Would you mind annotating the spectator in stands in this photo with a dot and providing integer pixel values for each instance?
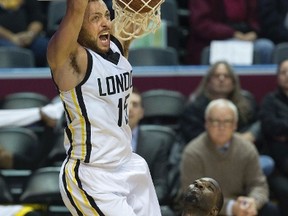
(155, 153)
(50, 115)
(273, 19)
(274, 122)
(222, 82)
(222, 20)
(21, 25)
(220, 153)
(203, 197)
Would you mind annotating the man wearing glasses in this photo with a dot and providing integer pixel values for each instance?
(220, 153)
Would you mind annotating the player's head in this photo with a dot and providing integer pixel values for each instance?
(202, 198)
(96, 27)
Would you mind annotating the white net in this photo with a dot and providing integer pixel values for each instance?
(135, 23)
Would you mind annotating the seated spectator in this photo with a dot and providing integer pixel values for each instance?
(203, 197)
(222, 82)
(50, 115)
(21, 25)
(233, 162)
(274, 122)
(273, 20)
(223, 20)
(155, 153)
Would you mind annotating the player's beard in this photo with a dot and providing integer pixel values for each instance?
(87, 40)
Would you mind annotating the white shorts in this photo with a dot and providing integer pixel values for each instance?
(127, 190)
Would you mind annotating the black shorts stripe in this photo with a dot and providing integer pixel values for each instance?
(68, 193)
(89, 198)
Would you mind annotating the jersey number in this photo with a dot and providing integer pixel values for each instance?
(123, 112)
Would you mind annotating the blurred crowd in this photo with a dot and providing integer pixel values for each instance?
(27, 23)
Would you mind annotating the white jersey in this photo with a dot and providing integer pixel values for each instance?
(101, 175)
(97, 111)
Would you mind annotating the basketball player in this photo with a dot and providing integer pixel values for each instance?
(101, 175)
(203, 198)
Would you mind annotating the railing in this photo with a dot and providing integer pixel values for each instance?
(259, 79)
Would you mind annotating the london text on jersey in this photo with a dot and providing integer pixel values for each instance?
(115, 84)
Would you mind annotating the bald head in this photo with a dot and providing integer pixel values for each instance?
(203, 197)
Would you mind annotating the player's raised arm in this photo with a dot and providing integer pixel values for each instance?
(63, 44)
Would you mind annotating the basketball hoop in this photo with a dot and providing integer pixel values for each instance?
(141, 16)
